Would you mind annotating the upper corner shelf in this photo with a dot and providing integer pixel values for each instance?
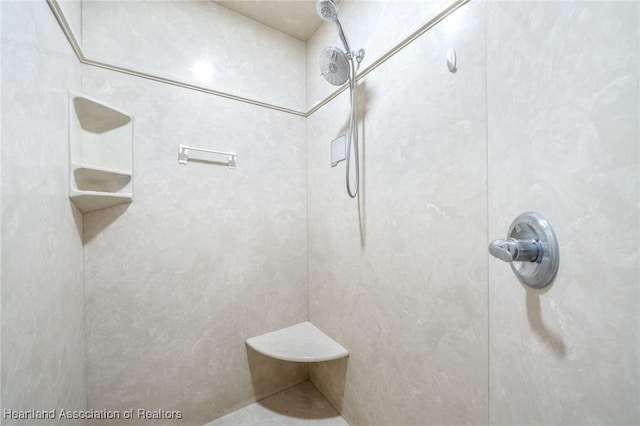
(302, 342)
(101, 154)
(97, 117)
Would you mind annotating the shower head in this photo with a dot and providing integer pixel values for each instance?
(327, 9)
(334, 66)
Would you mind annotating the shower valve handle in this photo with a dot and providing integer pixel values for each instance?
(531, 249)
(513, 250)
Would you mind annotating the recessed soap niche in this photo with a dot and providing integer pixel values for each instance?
(100, 154)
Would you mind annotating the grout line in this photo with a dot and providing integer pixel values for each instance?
(306, 144)
(278, 392)
(327, 399)
(488, 275)
(84, 315)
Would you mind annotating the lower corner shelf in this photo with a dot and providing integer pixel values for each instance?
(302, 342)
(94, 188)
(88, 201)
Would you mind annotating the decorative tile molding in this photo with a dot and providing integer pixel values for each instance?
(438, 16)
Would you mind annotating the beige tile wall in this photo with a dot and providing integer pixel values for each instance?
(43, 350)
(170, 38)
(1, 405)
(204, 258)
(563, 99)
(400, 278)
(542, 114)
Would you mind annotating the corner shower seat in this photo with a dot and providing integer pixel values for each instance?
(302, 342)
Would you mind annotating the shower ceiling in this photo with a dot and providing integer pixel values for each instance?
(296, 18)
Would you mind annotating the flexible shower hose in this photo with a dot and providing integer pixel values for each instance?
(353, 133)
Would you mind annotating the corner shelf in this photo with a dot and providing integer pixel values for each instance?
(100, 154)
(302, 342)
(98, 187)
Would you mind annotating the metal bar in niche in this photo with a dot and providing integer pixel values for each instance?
(183, 155)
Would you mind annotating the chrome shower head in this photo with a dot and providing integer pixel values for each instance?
(334, 66)
(327, 9)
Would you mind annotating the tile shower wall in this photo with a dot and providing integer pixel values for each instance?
(42, 294)
(198, 42)
(400, 279)
(438, 332)
(563, 109)
(203, 258)
(1, 49)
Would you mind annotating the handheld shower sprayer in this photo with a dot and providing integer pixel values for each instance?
(328, 11)
(337, 67)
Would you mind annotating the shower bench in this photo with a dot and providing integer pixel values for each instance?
(302, 342)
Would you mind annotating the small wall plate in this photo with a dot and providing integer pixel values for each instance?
(338, 150)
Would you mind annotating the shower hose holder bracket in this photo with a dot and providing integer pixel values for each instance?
(531, 248)
(358, 55)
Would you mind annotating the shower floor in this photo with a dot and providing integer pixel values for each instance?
(301, 405)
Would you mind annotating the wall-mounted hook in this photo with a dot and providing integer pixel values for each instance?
(451, 60)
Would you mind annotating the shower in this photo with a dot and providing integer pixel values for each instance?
(338, 66)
